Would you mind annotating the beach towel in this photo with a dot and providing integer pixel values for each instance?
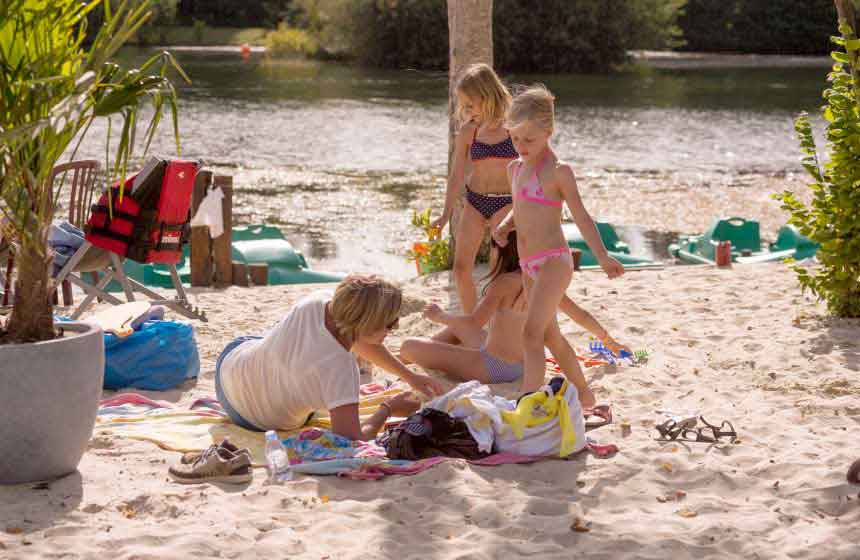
(197, 426)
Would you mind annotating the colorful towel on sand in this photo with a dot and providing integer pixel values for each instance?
(315, 444)
(197, 426)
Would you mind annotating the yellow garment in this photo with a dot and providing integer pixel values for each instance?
(185, 431)
(539, 408)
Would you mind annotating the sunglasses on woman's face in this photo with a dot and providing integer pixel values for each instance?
(393, 325)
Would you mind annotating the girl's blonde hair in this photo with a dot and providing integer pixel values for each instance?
(535, 104)
(480, 82)
(363, 305)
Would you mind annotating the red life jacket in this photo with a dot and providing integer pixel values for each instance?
(150, 223)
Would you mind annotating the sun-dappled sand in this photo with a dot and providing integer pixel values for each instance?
(742, 345)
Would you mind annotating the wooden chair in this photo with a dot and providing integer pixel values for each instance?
(82, 191)
(82, 175)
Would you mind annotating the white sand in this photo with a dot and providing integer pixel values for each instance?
(740, 344)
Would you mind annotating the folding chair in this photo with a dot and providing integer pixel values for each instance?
(148, 224)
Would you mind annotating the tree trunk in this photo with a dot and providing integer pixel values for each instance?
(32, 317)
(470, 40)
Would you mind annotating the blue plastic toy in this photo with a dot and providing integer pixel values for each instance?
(601, 350)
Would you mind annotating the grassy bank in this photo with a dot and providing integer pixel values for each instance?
(203, 35)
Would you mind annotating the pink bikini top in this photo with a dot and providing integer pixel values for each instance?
(532, 190)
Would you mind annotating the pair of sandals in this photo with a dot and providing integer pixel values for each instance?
(672, 430)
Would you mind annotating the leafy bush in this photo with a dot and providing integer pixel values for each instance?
(758, 26)
(833, 218)
(288, 41)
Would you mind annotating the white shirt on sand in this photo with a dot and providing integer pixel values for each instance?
(298, 367)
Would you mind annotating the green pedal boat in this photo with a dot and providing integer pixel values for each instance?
(747, 247)
(252, 244)
(616, 248)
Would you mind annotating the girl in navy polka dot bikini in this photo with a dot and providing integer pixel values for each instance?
(482, 151)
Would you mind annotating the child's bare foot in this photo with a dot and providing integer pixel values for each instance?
(587, 398)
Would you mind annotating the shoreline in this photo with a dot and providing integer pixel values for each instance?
(667, 60)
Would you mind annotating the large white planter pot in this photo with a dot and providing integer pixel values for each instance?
(49, 396)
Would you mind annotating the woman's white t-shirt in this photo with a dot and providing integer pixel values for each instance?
(298, 367)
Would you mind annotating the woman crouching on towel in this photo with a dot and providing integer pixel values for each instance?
(307, 362)
(466, 351)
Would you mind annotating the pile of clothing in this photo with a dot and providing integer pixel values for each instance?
(469, 422)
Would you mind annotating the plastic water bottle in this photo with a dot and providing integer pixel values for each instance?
(277, 459)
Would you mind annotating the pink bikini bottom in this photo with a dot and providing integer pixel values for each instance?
(533, 263)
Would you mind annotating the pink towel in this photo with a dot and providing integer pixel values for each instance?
(132, 398)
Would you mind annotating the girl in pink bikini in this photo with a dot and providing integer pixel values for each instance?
(540, 185)
(482, 151)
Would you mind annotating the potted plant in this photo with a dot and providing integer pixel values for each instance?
(53, 87)
(431, 255)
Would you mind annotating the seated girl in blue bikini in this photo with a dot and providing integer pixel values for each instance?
(466, 351)
(482, 151)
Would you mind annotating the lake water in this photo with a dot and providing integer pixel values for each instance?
(339, 157)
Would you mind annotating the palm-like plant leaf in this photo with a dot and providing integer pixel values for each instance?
(51, 90)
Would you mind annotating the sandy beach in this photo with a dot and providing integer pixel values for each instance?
(742, 345)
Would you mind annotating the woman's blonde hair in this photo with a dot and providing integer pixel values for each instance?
(535, 104)
(480, 82)
(363, 305)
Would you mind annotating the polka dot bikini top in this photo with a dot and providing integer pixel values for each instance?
(503, 150)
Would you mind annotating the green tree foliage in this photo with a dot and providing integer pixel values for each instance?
(550, 35)
(758, 26)
(234, 13)
(383, 33)
(578, 36)
(833, 217)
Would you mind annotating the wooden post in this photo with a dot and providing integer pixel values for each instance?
(222, 245)
(470, 40)
(259, 273)
(68, 297)
(240, 274)
(576, 254)
(201, 244)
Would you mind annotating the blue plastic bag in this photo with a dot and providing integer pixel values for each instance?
(161, 355)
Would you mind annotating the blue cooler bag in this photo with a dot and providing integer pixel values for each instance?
(159, 356)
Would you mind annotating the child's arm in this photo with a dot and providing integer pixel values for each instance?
(582, 317)
(587, 321)
(457, 177)
(507, 225)
(382, 357)
(567, 185)
(477, 319)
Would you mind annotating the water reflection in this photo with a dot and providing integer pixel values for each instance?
(339, 157)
